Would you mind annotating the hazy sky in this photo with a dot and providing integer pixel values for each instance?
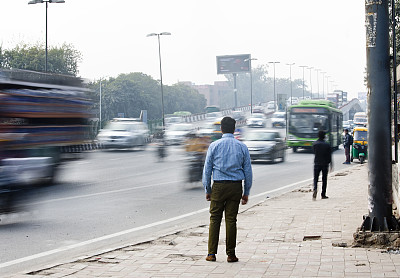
(111, 35)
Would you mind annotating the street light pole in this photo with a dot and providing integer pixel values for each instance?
(275, 103)
(45, 1)
(291, 87)
(159, 57)
(251, 83)
(303, 78)
(323, 83)
(317, 70)
(310, 68)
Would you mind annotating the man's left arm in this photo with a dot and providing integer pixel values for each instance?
(248, 175)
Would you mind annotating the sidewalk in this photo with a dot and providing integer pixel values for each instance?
(287, 236)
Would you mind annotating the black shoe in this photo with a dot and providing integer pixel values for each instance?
(314, 195)
(324, 197)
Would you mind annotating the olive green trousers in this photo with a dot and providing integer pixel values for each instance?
(224, 197)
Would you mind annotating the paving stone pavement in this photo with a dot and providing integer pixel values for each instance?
(286, 236)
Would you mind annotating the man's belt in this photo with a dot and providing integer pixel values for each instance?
(228, 181)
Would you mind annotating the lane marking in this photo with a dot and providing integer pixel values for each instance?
(105, 192)
(110, 236)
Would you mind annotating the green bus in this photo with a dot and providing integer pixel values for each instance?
(311, 116)
(212, 108)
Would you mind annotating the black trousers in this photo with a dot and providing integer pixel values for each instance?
(317, 170)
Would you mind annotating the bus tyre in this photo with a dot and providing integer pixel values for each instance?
(294, 149)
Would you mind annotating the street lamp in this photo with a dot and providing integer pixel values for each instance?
(251, 83)
(323, 83)
(275, 104)
(159, 56)
(310, 68)
(45, 1)
(317, 70)
(303, 78)
(291, 87)
(327, 85)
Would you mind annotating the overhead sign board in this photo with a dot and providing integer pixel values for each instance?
(233, 63)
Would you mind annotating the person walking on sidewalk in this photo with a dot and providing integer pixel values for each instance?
(228, 162)
(347, 142)
(322, 160)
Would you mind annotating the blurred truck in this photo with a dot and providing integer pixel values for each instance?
(44, 119)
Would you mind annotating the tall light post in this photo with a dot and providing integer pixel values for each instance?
(45, 1)
(327, 85)
(275, 104)
(159, 56)
(251, 83)
(323, 83)
(303, 78)
(291, 87)
(317, 70)
(310, 68)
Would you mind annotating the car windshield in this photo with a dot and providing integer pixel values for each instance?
(360, 135)
(261, 116)
(259, 136)
(120, 126)
(308, 123)
(179, 127)
(279, 116)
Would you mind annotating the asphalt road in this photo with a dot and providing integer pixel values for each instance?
(112, 198)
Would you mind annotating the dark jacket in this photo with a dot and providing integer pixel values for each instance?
(347, 140)
(323, 153)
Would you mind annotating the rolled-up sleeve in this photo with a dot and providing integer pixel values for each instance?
(248, 172)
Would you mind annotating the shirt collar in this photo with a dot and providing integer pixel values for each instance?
(227, 135)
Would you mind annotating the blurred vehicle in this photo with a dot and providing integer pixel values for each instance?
(307, 118)
(258, 109)
(256, 120)
(212, 108)
(213, 116)
(206, 129)
(278, 119)
(238, 116)
(360, 119)
(173, 120)
(196, 148)
(292, 101)
(176, 134)
(359, 149)
(217, 133)
(348, 125)
(264, 144)
(271, 105)
(44, 120)
(123, 133)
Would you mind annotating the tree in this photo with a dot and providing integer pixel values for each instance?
(61, 60)
(130, 93)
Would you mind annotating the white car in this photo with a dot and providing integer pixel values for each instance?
(256, 120)
(177, 133)
(271, 105)
(123, 134)
(278, 119)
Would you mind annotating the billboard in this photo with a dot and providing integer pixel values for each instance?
(233, 63)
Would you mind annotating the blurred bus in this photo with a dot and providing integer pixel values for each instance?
(311, 116)
(360, 119)
(212, 108)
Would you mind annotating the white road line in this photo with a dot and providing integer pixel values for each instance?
(88, 242)
(106, 192)
(84, 243)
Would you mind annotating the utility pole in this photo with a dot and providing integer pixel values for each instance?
(380, 216)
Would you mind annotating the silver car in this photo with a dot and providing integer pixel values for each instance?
(123, 134)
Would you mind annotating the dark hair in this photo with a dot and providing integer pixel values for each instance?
(321, 135)
(346, 129)
(228, 125)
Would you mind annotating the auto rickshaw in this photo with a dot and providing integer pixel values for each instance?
(359, 149)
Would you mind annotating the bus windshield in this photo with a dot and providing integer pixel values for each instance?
(307, 124)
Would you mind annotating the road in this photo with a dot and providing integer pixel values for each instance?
(113, 198)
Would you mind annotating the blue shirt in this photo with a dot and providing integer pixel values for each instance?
(228, 159)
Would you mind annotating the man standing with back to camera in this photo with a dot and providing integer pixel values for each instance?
(322, 160)
(228, 162)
